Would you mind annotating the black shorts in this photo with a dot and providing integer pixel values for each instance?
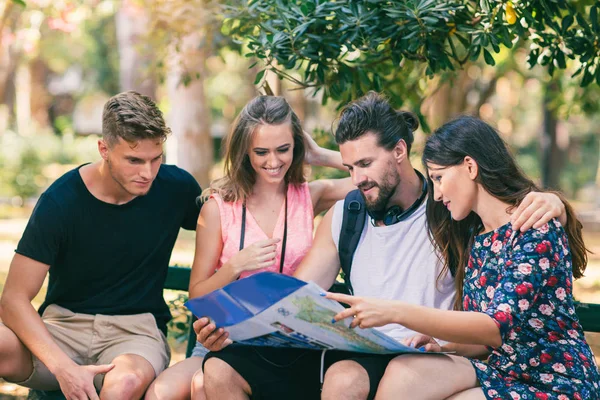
(285, 373)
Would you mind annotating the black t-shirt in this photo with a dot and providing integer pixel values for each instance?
(105, 258)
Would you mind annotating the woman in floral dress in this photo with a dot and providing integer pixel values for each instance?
(514, 288)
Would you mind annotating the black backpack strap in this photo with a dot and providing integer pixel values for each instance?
(353, 222)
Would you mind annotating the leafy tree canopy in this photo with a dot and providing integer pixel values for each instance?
(346, 48)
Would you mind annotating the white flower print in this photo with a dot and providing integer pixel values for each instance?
(505, 308)
(546, 309)
(561, 293)
(523, 305)
(515, 396)
(573, 333)
(525, 269)
(490, 292)
(558, 367)
(546, 378)
(497, 246)
(536, 323)
(544, 263)
(508, 349)
(534, 362)
(544, 228)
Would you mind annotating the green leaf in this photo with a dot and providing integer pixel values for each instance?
(594, 19)
(20, 2)
(584, 25)
(587, 78)
(567, 22)
(259, 76)
(488, 58)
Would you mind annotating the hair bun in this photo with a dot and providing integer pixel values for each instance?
(412, 122)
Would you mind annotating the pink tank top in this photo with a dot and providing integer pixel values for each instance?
(299, 229)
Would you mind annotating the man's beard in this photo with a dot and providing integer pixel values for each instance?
(387, 188)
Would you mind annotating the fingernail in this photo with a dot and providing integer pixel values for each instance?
(411, 344)
(333, 320)
(322, 294)
(422, 348)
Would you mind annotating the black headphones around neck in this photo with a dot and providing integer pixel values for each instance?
(395, 214)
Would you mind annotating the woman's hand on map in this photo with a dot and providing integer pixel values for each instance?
(367, 312)
(209, 336)
(423, 342)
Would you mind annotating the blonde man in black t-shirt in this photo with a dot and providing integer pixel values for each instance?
(104, 233)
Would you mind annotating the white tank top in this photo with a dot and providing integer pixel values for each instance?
(397, 262)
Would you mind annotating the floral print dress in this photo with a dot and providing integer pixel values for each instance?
(523, 281)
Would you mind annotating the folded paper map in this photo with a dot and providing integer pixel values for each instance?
(269, 309)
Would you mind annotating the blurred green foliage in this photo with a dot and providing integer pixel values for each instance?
(178, 327)
(29, 164)
(350, 47)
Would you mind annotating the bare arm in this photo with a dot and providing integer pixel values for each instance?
(452, 326)
(209, 245)
(319, 156)
(25, 278)
(325, 192)
(427, 343)
(322, 264)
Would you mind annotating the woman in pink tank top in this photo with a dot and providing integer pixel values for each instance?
(258, 217)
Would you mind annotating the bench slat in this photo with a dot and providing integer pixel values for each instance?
(178, 278)
(589, 316)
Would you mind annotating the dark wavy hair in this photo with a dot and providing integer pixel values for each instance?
(373, 113)
(499, 175)
(239, 175)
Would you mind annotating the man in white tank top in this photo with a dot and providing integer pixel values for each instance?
(394, 261)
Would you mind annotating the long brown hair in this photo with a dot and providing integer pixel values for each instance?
(500, 176)
(239, 175)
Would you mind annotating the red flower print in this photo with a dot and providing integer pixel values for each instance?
(542, 396)
(526, 377)
(561, 323)
(482, 280)
(567, 356)
(542, 247)
(545, 358)
(501, 317)
(521, 289)
(577, 396)
(552, 281)
(553, 337)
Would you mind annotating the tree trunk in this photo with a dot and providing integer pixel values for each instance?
(135, 65)
(189, 116)
(552, 154)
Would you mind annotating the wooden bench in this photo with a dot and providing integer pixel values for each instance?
(178, 278)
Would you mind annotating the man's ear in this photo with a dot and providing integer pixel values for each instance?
(472, 167)
(103, 149)
(400, 151)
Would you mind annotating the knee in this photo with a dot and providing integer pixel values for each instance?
(217, 373)
(198, 386)
(346, 377)
(400, 376)
(127, 385)
(161, 389)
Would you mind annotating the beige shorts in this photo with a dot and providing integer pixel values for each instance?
(99, 339)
